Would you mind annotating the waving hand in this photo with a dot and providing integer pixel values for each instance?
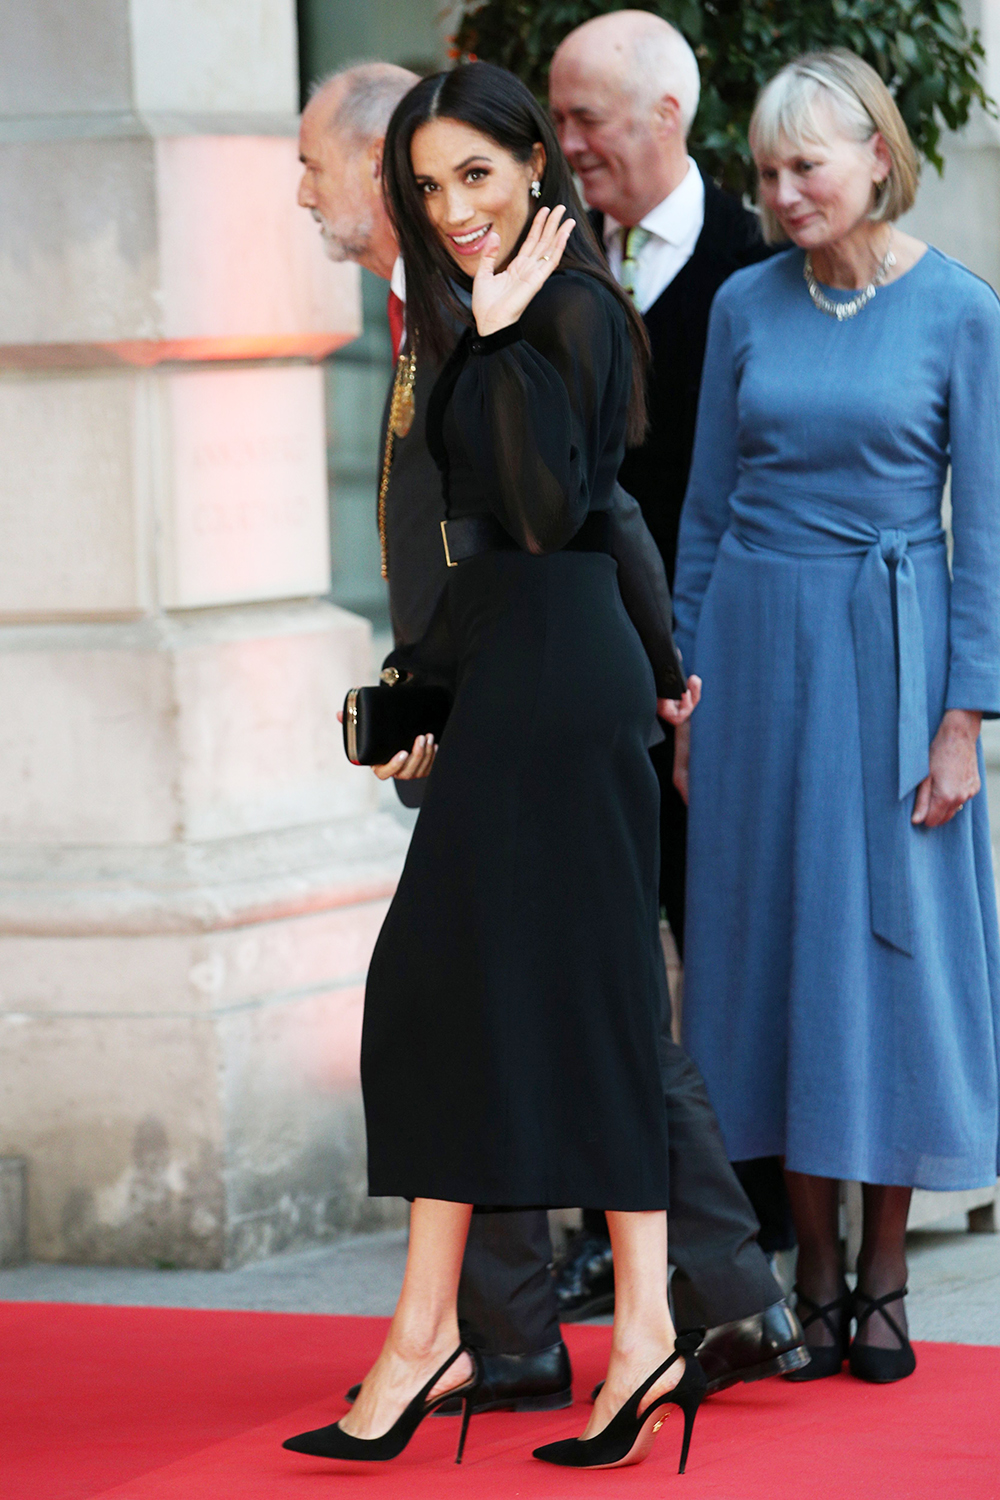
(500, 297)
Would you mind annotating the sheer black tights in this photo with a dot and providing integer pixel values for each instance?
(881, 1260)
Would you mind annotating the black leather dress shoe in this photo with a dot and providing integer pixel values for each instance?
(539, 1381)
(767, 1343)
(585, 1279)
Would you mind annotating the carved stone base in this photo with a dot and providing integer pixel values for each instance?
(179, 1038)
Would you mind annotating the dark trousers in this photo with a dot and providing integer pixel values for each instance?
(762, 1179)
(506, 1298)
(673, 838)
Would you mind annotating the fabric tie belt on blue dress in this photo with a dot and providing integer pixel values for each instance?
(889, 654)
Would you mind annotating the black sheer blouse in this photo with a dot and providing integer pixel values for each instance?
(529, 423)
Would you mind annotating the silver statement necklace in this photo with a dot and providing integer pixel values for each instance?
(850, 309)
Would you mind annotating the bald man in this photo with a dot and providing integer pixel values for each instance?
(623, 92)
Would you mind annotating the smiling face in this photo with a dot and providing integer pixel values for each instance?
(820, 192)
(627, 150)
(471, 185)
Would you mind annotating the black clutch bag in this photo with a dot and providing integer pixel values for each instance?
(380, 721)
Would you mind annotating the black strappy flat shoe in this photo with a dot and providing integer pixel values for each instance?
(333, 1442)
(824, 1359)
(880, 1366)
(628, 1437)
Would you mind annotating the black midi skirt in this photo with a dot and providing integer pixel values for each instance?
(509, 1051)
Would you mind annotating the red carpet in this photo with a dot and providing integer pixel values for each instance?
(154, 1404)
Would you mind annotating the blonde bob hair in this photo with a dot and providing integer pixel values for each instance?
(789, 111)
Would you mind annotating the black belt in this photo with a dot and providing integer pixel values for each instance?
(468, 536)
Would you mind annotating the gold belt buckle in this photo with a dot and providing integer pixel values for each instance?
(444, 538)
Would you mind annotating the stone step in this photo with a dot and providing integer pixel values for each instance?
(13, 1210)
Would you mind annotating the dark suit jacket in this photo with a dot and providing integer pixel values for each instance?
(414, 510)
(677, 323)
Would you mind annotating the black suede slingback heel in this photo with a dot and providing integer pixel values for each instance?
(333, 1442)
(628, 1437)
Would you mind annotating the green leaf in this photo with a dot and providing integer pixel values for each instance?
(907, 48)
(922, 48)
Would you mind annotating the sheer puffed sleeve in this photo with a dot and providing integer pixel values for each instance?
(974, 431)
(714, 466)
(541, 409)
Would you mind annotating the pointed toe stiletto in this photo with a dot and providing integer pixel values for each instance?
(824, 1359)
(880, 1366)
(628, 1437)
(333, 1442)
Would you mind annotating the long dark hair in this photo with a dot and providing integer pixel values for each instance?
(499, 106)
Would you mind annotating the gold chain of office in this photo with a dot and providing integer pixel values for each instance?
(401, 412)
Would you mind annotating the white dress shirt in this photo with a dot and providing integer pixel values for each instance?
(674, 226)
(397, 284)
(397, 281)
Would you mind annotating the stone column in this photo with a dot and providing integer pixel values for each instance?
(959, 212)
(191, 875)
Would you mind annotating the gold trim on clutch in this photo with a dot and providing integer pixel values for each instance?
(351, 725)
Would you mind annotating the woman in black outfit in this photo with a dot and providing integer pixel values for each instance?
(509, 1056)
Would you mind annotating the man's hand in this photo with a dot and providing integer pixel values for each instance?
(677, 711)
(954, 773)
(682, 755)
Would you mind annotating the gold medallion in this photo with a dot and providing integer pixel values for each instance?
(401, 413)
(402, 417)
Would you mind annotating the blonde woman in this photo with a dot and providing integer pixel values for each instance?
(843, 965)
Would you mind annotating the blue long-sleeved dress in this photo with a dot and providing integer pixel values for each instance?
(842, 974)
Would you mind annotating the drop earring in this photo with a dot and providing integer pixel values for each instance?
(536, 189)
